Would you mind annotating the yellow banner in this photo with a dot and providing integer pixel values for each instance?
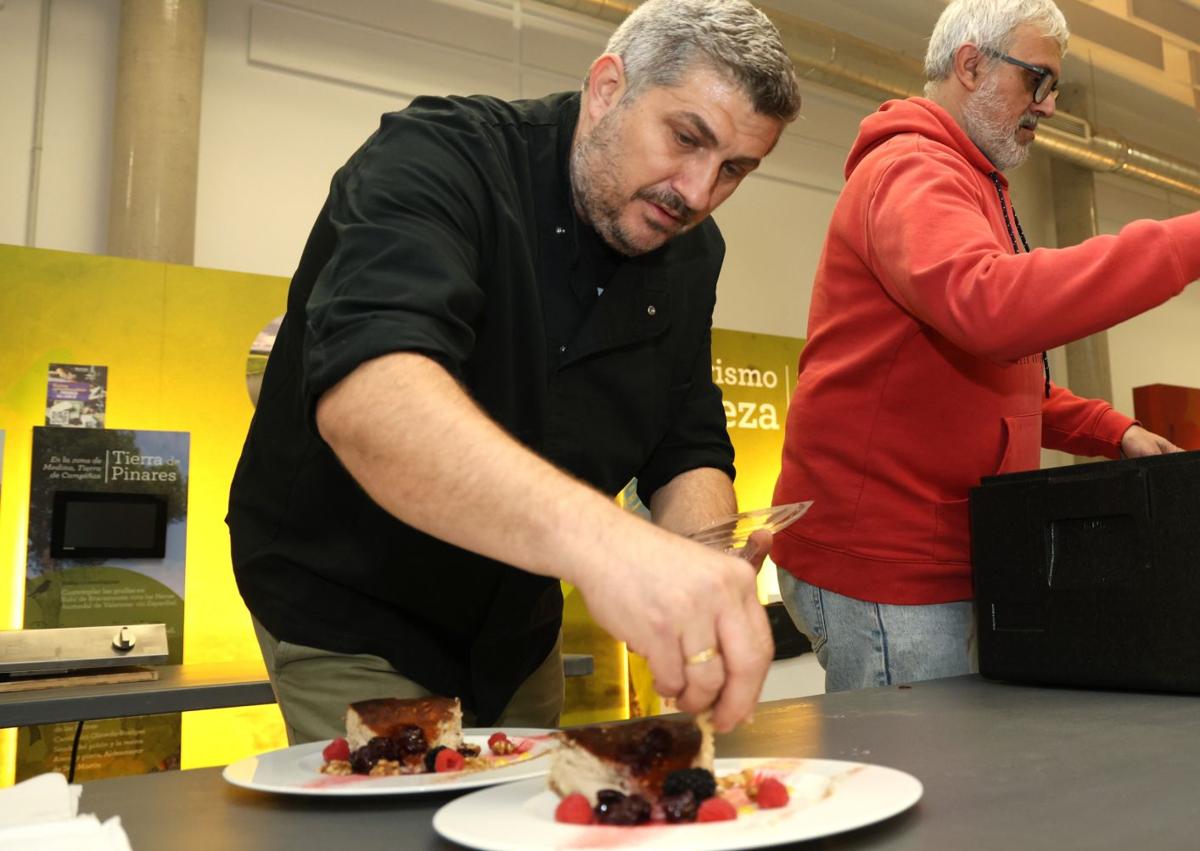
(756, 374)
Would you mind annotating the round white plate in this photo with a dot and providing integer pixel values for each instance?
(827, 797)
(297, 770)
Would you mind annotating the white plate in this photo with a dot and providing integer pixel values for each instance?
(827, 797)
(297, 770)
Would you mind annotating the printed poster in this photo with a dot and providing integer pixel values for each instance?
(68, 592)
(75, 395)
(756, 374)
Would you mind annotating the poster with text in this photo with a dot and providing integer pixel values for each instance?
(756, 374)
(76, 395)
(105, 590)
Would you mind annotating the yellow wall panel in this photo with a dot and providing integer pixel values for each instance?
(175, 340)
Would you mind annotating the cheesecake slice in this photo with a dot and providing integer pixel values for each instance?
(438, 718)
(633, 758)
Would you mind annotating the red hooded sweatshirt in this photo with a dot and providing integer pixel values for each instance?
(923, 372)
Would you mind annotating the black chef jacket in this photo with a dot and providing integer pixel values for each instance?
(451, 233)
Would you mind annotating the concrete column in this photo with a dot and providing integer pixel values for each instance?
(1074, 188)
(156, 130)
(1075, 220)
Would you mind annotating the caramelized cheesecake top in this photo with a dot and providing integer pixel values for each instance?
(385, 716)
(650, 748)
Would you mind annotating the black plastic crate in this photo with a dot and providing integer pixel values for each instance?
(1090, 575)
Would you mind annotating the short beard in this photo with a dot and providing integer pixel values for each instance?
(596, 185)
(997, 141)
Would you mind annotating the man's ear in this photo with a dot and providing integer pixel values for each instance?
(606, 86)
(968, 66)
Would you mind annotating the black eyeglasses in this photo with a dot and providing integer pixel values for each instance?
(1046, 81)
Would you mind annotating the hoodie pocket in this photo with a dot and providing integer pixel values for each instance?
(1022, 445)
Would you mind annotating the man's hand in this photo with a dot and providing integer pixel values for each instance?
(678, 600)
(757, 547)
(1137, 442)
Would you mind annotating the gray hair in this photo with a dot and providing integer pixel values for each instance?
(989, 25)
(662, 40)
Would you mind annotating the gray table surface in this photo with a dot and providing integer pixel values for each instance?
(1004, 767)
(178, 688)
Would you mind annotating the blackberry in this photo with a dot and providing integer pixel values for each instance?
(630, 810)
(698, 781)
(410, 741)
(376, 749)
(606, 799)
(431, 758)
(681, 806)
(469, 751)
(361, 762)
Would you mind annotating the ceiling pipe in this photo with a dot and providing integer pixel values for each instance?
(831, 58)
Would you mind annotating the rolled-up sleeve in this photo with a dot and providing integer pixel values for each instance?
(407, 215)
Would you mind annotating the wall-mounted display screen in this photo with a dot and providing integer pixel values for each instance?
(98, 524)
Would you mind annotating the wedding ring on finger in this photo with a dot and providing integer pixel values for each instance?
(705, 655)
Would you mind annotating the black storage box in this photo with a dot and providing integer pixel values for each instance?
(1090, 575)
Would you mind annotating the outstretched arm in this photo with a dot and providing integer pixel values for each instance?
(419, 446)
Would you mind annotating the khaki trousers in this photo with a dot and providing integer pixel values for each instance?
(313, 688)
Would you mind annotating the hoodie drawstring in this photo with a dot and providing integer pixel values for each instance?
(995, 176)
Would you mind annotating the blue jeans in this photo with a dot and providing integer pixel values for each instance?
(863, 645)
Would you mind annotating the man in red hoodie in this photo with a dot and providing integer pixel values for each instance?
(924, 368)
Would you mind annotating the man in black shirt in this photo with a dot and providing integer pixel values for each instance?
(502, 315)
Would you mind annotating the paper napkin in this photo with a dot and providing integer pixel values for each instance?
(43, 813)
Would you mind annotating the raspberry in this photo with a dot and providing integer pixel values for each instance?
(337, 749)
(503, 748)
(448, 760)
(574, 809)
(771, 794)
(501, 745)
(698, 781)
(716, 809)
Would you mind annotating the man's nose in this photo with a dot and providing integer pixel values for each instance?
(1046, 108)
(696, 183)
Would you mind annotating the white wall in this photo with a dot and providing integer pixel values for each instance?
(18, 46)
(1163, 345)
(292, 88)
(77, 124)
